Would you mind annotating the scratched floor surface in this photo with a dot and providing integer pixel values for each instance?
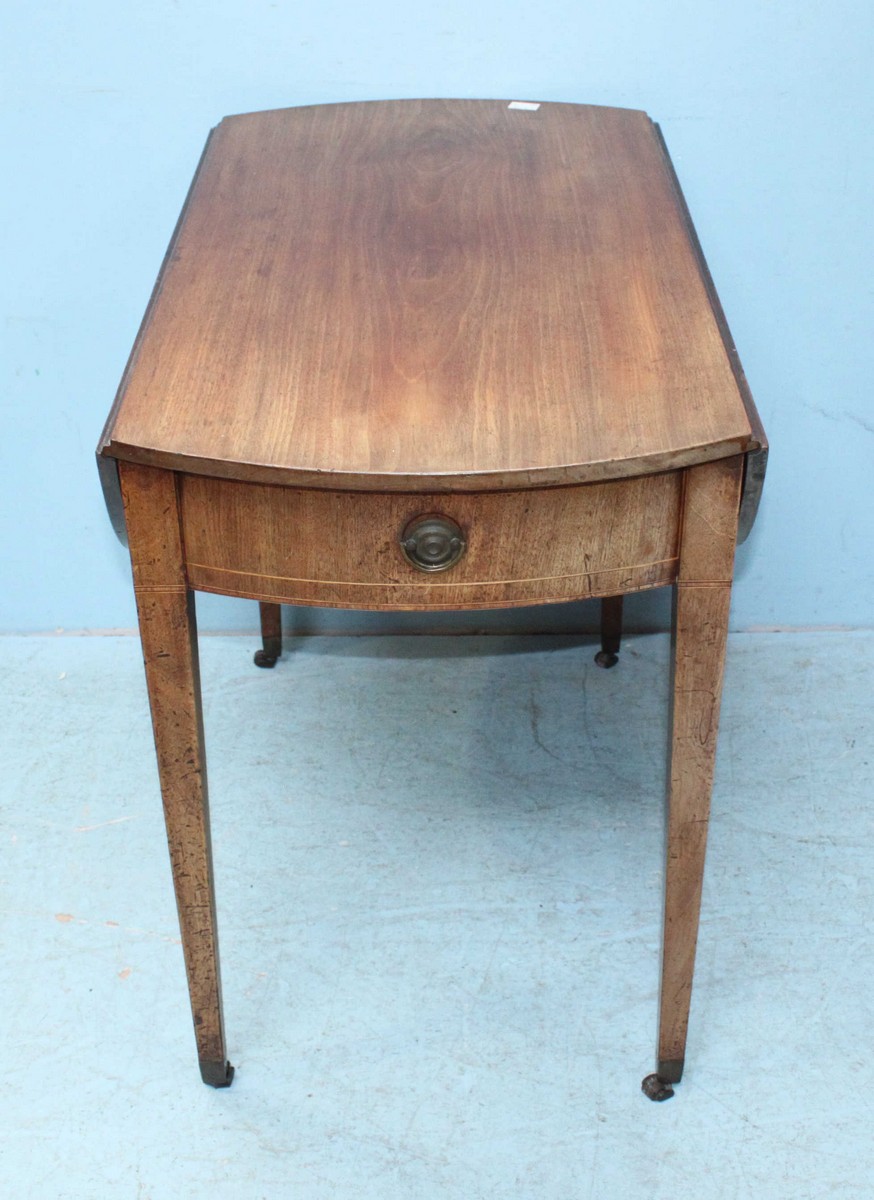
(438, 867)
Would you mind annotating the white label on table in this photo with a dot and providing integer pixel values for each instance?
(526, 105)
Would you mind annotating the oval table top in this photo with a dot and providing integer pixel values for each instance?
(433, 294)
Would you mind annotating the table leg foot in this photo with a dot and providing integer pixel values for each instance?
(271, 635)
(611, 632)
(606, 659)
(216, 1074)
(656, 1088)
(670, 1070)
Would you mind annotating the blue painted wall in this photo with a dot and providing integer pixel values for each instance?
(766, 108)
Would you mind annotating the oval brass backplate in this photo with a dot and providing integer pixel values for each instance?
(432, 542)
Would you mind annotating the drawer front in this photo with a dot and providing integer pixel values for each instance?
(343, 549)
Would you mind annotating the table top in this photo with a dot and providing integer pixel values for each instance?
(442, 294)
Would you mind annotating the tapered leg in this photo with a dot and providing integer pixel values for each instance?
(165, 608)
(611, 631)
(271, 635)
(702, 602)
(701, 624)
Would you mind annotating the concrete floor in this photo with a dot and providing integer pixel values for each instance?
(438, 869)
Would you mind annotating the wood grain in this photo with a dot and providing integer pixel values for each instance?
(169, 639)
(703, 596)
(431, 294)
(312, 546)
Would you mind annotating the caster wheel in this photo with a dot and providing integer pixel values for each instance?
(606, 659)
(263, 659)
(656, 1088)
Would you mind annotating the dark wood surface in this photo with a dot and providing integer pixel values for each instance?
(432, 294)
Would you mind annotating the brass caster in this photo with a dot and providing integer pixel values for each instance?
(606, 659)
(216, 1074)
(656, 1088)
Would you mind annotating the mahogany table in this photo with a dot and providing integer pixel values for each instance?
(433, 354)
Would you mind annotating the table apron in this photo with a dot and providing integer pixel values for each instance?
(327, 548)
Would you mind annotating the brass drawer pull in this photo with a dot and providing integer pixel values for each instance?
(432, 542)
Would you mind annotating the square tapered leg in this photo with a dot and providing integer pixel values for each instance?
(702, 599)
(168, 631)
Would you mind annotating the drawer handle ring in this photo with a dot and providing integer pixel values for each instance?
(432, 542)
